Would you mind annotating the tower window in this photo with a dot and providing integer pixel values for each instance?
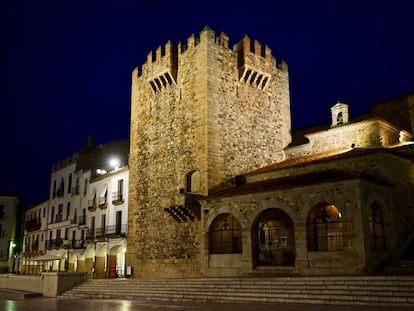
(193, 181)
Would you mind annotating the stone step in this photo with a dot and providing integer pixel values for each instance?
(270, 298)
(407, 294)
(372, 287)
(14, 294)
(381, 290)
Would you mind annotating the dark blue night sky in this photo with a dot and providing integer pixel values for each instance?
(65, 66)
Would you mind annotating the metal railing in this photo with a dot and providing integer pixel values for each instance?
(108, 231)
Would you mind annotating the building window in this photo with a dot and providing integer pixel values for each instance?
(85, 186)
(1, 211)
(225, 235)
(118, 196)
(54, 189)
(61, 189)
(60, 213)
(324, 228)
(68, 210)
(376, 227)
(92, 228)
(52, 215)
(70, 183)
(193, 181)
(118, 222)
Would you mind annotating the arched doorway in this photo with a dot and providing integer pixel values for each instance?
(273, 239)
(100, 263)
(89, 262)
(116, 260)
(72, 263)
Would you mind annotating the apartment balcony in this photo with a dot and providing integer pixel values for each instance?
(82, 220)
(102, 202)
(66, 244)
(117, 198)
(55, 243)
(107, 232)
(57, 219)
(76, 244)
(92, 205)
(32, 225)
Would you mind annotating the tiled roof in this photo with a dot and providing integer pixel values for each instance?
(294, 181)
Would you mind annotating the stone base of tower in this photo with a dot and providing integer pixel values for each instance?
(165, 268)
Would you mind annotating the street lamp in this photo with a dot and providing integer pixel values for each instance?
(114, 163)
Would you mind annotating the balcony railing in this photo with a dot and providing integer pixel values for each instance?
(82, 220)
(56, 243)
(61, 243)
(102, 202)
(108, 231)
(57, 218)
(117, 198)
(92, 205)
(33, 225)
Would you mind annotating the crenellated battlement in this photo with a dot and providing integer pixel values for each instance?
(255, 62)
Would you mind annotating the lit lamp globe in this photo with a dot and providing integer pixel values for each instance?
(114, 164)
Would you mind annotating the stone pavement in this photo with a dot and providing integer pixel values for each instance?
(53, 304)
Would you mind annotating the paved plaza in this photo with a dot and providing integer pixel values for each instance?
(52, 304)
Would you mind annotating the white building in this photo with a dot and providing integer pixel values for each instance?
(74, 238)
(34, 236)
(107, 218)
(8, 211)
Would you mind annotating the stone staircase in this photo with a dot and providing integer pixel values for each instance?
(385, 290)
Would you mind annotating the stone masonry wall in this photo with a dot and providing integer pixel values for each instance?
(383, 164)
(368, 133)
(189, 111)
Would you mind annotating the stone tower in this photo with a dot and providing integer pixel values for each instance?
(201, 113)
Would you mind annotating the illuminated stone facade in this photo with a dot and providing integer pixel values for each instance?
(197, 108)
(220, 186)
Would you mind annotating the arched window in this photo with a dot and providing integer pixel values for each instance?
(339, 118)
(193, 181)
(376, 227)
(225, 235)
(273, 239)
(324, 228)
